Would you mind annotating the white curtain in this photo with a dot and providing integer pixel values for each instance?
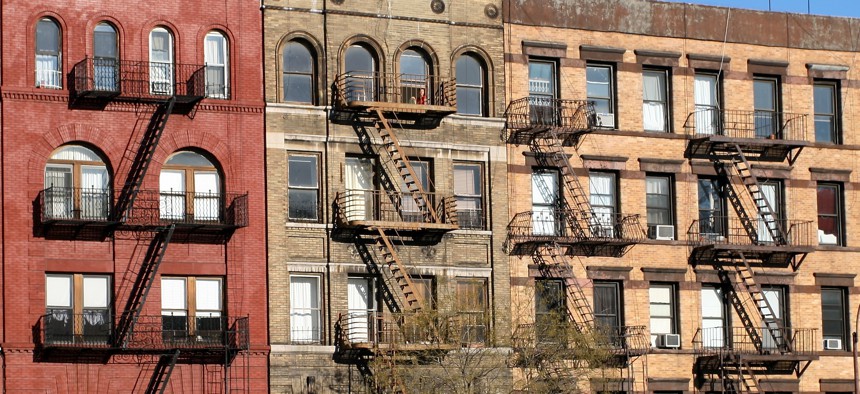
(216, 65)
(359, 189)
(304, 309)
(360, 313)
(48, 71)
(705, 98)
(544, 202)
(653, 105)
(206, 196)
(94, 192)
(603, 202)
(161, 61)
(96, 292)
(58, 194)
(712, 318)
(58, 290)
(768, 190)
(172, 196)
(208, 297)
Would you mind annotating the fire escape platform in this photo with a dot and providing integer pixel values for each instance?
(575, 246)
(531, 118)
(718, 147)
(774, 256)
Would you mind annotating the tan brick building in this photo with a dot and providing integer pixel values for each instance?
(378, 259)
(728, 133)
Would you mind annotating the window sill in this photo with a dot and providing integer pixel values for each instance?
(649, 241)
(322, 349)
(473, 232)
(835, 353)
(632, 133)
(297, 108)
(837, 248)
(307, 225)
(657, 350)
(474, 120)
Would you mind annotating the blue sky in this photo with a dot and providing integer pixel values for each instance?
(849, 8)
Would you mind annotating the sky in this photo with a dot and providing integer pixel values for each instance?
(850, 8)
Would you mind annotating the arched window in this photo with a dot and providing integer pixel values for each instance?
(49, 73)
(217, 67)
(105, 58)
(190, 189)
(471, 86)
(298, 78)
(414, 77)
(161, 61)
(77, 185)
(361, 70)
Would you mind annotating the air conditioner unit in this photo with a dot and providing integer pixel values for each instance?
(832, 344)
(606, 120)
(671, 341)
(663, 232)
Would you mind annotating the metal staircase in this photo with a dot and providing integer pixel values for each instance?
(161, 373)
(550, 153)
(578, 308)
(398, 271)
(769, 318)
(143, 157)
(142, 285)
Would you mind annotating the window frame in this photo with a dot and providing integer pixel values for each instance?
(767, 120)
(223, 92)
(541, 223)
(609, 222)
(53, 75)
(550, 309)
(670, 209)
(843, 310)
(475, 314)
(79, 193)
(168, 66)
(77, 308)
(317, 335)
(311, 75)
(368, 81)
(192, 328)
(674, 318)
(190, 194)
(725, 315)
(666, 90)
(482, 88)
(711, 112)
(838, 216)
(476, 215)
(611, 99)
(721, 224)
(836, 116)
(290, 187)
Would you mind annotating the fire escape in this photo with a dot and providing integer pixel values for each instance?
(400, 211)
(740, 248)
(161, 217)
(553, 129)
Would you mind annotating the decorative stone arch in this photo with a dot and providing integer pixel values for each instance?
(215, 149)
(367, 41)
(435, 69)
(177, 39)
(100, 141)
(120, 33)
(318, 53)
(484, 56)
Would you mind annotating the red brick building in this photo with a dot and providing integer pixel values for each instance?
(133, 224)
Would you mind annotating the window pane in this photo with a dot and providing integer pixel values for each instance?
(208, 294)
(104, 41)
(297, 58)
(469, 71)
(173, 293)
(826, 200)
(58, 291)
(96, 292)
(190, 159)
(303, 204)
(358, 59)
(47, 37)
(654, 86)
(303, 171)
(413, 64)
(469, 100)
(765, 95)
(823, 97)
(298, 88)
(542, 79)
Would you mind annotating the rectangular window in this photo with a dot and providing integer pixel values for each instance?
(191, 309)
(706, 92)
(608, 309)
(712, 218)
(468, 190)
(664, 318)
(305, 311)
(545, 202)
(604, 202)
(655, 100)
(834, 302)
(361, 312)
(767, 107)
(78, 308)
(550, 310)
(775, 296)
(542, 92)
(303, 194)
(600, 89)
(659, 207)
(714, 317)
(472, 309)
(359, 181)
(830, 214)
(826, 103)
(772, 191)
(411, 211)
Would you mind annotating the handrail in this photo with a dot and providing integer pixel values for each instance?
(138, 79)
(540, 113)
(424, 328)
(385, 87)
(604, 226)
(381, 205)
(736, 340)
(746, 124)
(730, 231)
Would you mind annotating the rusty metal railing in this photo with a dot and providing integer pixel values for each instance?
(731, 231)
(746, 124)
(394, 88)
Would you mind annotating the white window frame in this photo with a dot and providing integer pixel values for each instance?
(302, 334)
(212, 61)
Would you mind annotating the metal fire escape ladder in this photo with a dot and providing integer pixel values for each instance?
(578, 309)
(579, 205)
(143, 283)
(161, 373)
(398, 271)
(769, 318)
(401, 162)
(747, 377)
(143, 157)
(765, 211)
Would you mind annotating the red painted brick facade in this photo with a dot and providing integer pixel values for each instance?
(37, 121)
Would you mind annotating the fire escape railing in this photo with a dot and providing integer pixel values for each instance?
(138, 79)
(553, 226)
(746, 124)
(416, 329)
(736, 340)
(731, 231)
(157, 208)
(531, 117)
(394, 88)
(393, 207)
(75, 204)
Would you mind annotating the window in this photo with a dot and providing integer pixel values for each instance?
(664, 315)
(826, 108)
(361, 69)
(834, 309)
(712, 218)
(550, 310)
(545, 202)
(217, 70)
(298, 73)
(410, 209)
(775, 297)
(706, 92)
(655, 100)
(772, 192)
(305, 309)
(77, 185)
(49, 72)
(714, 317)
(105, 58)
(414, 77)
(830, 214)
(190, 189)
(472, 309)
(608, 310)
(161, 61)
(542, 92)
(766, 102)
(361, 304)
(604, 202)
(191, 309)
(658, 201)
(468, 189)
(78, 308)
(303, 194)
(359, 181)
(601, 91)
(471, 82)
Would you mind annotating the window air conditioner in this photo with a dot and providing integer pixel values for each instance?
(670, 341)
(663, 232)
(832, 344)
(606, 120)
